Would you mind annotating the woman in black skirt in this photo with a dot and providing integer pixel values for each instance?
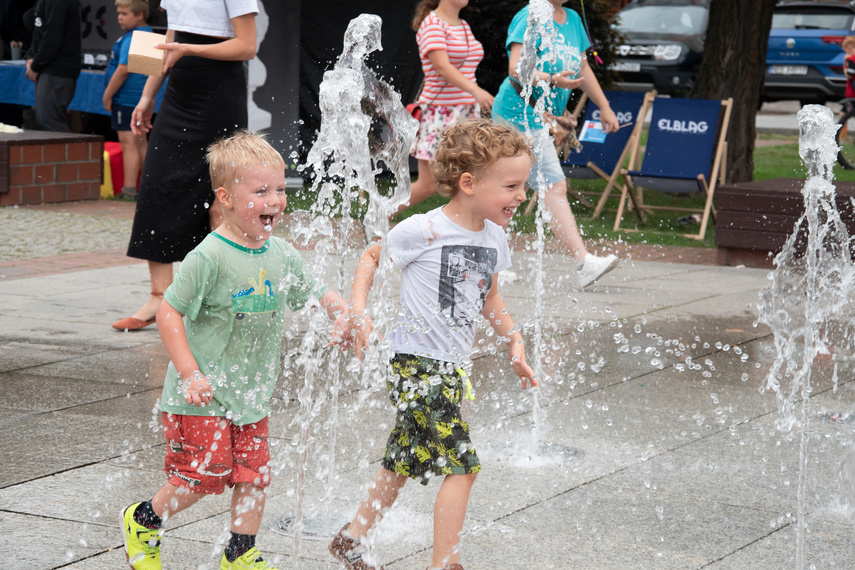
(206, 100)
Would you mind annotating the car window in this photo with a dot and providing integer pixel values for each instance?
(823, 18)
(688, 20)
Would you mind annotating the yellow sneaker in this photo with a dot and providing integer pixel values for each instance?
(142, 544)
(249, 560)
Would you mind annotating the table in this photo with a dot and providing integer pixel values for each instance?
(16, 89)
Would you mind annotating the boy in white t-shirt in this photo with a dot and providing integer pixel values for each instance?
(450, 259)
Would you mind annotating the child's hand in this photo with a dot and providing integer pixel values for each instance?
(520, 366)
(341, 333)
(361, 327)
(197, 390)
(107, 102)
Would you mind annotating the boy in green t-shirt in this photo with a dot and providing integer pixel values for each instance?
(221, 323)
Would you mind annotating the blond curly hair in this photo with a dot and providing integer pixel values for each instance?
(243, 148)
(473, 146)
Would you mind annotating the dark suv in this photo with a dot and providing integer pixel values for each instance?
(664, 41)
(804, 60)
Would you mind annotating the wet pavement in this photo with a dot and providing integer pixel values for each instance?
(657, 448)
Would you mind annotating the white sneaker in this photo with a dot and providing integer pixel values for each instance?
(595, 267)
(507, 276)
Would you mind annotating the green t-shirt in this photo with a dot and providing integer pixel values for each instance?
(233, 300)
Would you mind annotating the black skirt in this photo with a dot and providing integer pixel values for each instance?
(205, 100)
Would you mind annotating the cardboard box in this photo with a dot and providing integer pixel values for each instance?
(143, 57)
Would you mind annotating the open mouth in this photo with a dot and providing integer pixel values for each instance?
(509, 212)
(267, 221)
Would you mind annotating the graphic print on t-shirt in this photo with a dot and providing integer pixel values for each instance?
(465, 277)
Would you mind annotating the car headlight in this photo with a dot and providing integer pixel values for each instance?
(667, 52)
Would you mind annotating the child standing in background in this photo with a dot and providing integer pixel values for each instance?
(123, 92)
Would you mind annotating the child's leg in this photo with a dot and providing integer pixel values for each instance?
(130, 158)
(382, 494)
(247, 508)
(171, 500)
(448, 515)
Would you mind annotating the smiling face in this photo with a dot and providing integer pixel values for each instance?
(127, 19)
(253, 204)
(500, 188)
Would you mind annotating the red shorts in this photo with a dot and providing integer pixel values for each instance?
(204, 454)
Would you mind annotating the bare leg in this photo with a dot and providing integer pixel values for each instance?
(381, 496)
(247, 508)
(171, 500)
(563, 222)
(131, 158)
(423, 188)
(161, 278)
(448, 515)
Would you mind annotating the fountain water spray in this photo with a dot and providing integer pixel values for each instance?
(536, 50)
(807, 291)
(363, 125)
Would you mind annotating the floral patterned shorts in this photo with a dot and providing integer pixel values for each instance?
(434, 119)
(429, 438)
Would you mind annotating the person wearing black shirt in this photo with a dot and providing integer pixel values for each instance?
(53, 61)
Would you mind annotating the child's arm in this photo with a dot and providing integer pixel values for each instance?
(496, 313)
(361, 323)
(337, 310)
(170, 324)
(115, 84)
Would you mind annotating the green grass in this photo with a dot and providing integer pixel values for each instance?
(662, 228)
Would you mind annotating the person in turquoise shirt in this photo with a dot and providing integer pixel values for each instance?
(563, 67)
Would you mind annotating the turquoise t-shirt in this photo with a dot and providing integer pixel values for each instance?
(233, 300)
(570, 46)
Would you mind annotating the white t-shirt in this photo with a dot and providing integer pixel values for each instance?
(206, 17)
(446, 272)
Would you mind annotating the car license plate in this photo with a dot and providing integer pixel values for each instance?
(630, 66)
(788, 70)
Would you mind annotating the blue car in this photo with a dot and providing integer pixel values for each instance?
(804, 60)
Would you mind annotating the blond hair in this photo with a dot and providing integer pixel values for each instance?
(473, 146)
(848, 41)
(135, 7)
(242, 149)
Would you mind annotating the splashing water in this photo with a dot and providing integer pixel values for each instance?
(807, 291)
(536, 50)
(363, 125)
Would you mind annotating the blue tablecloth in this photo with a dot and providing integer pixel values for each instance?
(17, 89)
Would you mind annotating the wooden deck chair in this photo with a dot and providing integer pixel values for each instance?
(605, 160)
(686, 152)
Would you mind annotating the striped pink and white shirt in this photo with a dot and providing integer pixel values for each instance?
(464, 53)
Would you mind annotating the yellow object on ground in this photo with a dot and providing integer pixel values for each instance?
(107, 186)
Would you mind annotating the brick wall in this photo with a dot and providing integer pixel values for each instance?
(38, 167)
